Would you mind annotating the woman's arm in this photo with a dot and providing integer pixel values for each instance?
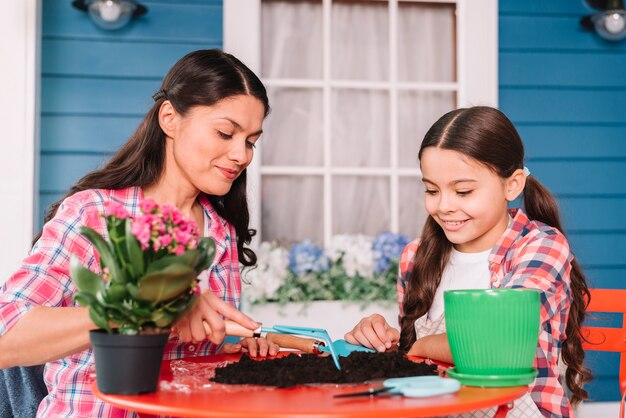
(45, 334)
(434, 347)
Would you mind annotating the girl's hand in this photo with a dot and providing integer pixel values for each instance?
(252, 346)
(374, 332)
(210, 309)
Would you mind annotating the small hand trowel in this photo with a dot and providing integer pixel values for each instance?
(291, 337)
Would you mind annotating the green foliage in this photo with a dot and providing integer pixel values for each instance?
(138, 289)
(336, 284)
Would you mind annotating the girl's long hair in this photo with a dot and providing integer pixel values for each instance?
(488, 136)
(200, 78)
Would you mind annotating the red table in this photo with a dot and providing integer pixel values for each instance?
(302, 401)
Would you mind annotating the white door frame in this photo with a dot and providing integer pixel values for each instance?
(477, 64)
(19, 114)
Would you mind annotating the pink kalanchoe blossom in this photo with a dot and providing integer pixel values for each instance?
(141, 230)
(115, 209)
(179, 249)
(147, 205)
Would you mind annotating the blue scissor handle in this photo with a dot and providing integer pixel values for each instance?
(422, 386)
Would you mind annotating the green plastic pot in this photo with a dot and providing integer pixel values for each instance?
(493, 332)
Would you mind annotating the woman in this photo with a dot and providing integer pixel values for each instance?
(191, 150)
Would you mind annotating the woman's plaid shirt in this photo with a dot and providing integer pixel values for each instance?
(531, 255)
(43, 280)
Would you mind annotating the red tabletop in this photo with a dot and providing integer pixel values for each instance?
(175, 397)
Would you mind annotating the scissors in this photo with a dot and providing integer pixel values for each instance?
(412, 387)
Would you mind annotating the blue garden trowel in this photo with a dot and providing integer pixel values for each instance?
(316, 340)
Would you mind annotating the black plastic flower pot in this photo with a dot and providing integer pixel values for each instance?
(127, 364)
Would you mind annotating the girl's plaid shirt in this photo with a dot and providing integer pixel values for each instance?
(43, 280)
(531, 255)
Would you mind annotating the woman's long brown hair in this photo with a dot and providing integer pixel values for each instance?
(488, 136)
(200, 78)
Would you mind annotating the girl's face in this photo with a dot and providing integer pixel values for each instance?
(467, 199)
(210, 146)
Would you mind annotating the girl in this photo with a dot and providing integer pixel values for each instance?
(472, 163)
(191, 151)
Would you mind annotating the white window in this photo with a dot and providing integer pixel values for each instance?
(354, 85)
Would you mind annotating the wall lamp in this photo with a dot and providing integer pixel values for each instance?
(110, 14)
(610, 22)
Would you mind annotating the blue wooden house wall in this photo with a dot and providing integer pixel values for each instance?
(97, 84)
(563, 87)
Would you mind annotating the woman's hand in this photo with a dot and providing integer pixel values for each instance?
(210, 309)
(252, 346)
(374, 332)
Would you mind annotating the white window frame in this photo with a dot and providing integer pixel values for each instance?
(19, 115)
(477, 83)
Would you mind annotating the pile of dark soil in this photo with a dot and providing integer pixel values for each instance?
(297, 369)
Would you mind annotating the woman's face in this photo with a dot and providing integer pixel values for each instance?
(210, 146)
(467, 199)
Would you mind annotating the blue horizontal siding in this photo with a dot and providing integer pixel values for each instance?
(564, 105)
(97, 85)
(573, 142)
(547, 33)
(543, 7)
(71, 134)
(87, 96)
(581, 178)
(590, 214)
(565, 89)
(168, 22)
(566, 69)
(89, 58)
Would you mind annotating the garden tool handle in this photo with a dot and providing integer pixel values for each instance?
(234, 329)
(306, 345)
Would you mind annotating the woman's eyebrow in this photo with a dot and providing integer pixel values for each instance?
(238, 126)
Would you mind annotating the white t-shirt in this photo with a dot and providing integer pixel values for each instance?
(463, 271)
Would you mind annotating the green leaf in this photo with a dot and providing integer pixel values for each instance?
(116, 292)
(135, 254)
(84, 299)
(162, 318)
(165, 284)
(86, 280)
(133, 290)
(206, 247)
(99, 319)
(107, 257)
(188, 258)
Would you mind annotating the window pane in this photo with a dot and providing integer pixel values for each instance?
(292, 209)
(360, 128)
(417, 111)
(426, 42)
(412, 213)
(292, 29)
(360, 205)
(293, 132)
(360, 41)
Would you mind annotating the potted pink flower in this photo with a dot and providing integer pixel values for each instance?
(148, 279)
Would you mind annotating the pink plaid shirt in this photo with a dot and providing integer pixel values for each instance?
(532, 255)
(43, 280)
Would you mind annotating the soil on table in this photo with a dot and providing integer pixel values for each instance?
(297, 369)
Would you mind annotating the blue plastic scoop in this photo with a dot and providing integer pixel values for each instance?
(324, 343)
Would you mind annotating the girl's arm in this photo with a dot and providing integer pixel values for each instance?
(45, 334)
(434, 347)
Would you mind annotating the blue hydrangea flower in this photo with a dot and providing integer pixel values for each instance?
(306, 257)
(387, 246)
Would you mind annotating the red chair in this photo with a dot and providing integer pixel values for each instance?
(609, 339)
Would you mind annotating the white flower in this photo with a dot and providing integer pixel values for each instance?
(270, 273)
(358, 256)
